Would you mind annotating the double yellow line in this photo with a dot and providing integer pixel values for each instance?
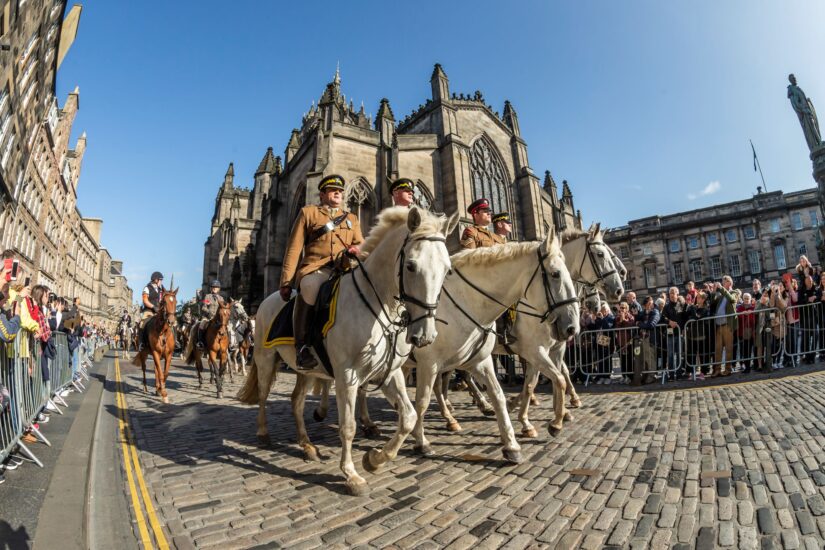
(130, 459)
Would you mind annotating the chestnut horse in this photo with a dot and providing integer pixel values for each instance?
(217, 347)
(161, 335)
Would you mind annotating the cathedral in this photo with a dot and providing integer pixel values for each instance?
(455, 147)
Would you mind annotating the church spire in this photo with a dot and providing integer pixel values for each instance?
(440, 84)
(267, 165)
(511, 119)
(229, 177)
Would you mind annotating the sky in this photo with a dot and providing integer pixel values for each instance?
(645, 107)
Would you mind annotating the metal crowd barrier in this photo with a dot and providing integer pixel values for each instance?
(22, 375)
(806, 332)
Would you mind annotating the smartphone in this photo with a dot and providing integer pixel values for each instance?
(7, 263)
(27, 281)
(15, 267)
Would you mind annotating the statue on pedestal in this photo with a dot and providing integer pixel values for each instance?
(806, 113)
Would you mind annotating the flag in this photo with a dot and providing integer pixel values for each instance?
(754, 156)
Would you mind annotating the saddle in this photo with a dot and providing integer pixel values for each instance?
(323, 319)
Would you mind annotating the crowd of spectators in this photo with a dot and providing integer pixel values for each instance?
(708, 331)
(31, 316)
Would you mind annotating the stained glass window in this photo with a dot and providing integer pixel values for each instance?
(489, 180)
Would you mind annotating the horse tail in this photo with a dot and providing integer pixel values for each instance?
(136, 361)
(248, 394)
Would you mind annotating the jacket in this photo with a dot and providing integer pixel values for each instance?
(732, 297)
(746, 320)
(777, 326)
(323, 249)
(648, 320)
(477, 236)
(674, 312)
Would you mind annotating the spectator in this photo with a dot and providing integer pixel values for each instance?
(808, 311)
(779, 297)
(690, 293)
(746, 322)
(804, 269)
(756, 290)
(723, 306)
(633, 304)
(792, 321)
(763, 337)
(624, 337)
(673, 315)
(698, 335)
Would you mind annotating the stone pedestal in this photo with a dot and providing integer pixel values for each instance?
(818, 160)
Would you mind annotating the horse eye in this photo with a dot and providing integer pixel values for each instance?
(601, 254)
(411, 266)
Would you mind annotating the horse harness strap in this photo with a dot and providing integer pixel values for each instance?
(588, 255)
(326, 228)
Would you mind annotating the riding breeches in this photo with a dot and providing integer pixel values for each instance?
(311, 284)
(144, 317)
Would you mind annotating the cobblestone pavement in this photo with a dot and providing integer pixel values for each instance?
(737, 466)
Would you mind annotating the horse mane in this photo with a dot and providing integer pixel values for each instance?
(395, 216)
(572, 234)
(497, 253)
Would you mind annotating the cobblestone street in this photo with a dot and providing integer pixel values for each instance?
(735, 466)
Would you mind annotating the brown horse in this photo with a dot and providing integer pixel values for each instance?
(160, 329)
(217, 347)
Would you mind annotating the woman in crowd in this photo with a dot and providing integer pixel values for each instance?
(746, 322)
(791, 297)
(625, 321)
(808, 312)
(698, 335)
(804, 269)
(779, 301)
(763, 336)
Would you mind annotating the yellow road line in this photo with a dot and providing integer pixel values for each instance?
(150, 509)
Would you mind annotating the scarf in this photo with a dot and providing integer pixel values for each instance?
(37, 315)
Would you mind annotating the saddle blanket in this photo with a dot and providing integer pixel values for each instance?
(323, 319)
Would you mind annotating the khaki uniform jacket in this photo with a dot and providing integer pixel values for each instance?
(322, 250)
(210, 305)
(477, 236)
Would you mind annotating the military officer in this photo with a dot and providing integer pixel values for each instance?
(209, 307)
(403, 192)
(321, 233)
(477, 235)
(502, 227)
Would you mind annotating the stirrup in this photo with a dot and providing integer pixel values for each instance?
(304, 360)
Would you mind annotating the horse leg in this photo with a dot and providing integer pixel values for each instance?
(444, 389)
(199, 367)
(143, 366)
(482, 404)
(486, 370)
(322, 409)
(425, 377)
(445, 407)
(371, 431)
(531, 376)
(345, 396)
(230, 362)
(265, 371)
(575, 401)
(216, 366)
(298, 399)
(160, 390)
(395, 391)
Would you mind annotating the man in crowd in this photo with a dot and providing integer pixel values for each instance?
(674, 315)
(723, 306)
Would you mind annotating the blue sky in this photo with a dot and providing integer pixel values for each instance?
(646, 107)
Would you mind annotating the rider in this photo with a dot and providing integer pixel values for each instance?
(502, 227)
(321, 233)
(403, 192)
(152, 295)
(209, 307)
(477, 235)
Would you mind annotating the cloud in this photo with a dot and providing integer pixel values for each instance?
(709, 189)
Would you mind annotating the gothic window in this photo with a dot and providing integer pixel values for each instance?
(360, 201)
(489, 177)
(422, 196)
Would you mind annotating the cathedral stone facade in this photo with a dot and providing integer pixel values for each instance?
(455, 146)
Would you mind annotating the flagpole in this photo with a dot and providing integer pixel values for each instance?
(756, 164)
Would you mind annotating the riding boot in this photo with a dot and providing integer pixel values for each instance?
(304, 360)
(200, 340)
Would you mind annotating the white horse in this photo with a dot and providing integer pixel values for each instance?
(384, 308)
(591, 263)
(238, 322)
(484, 283)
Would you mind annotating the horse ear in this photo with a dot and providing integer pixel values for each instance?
(240, 301)
(450, 224)
(413, 219)
(175, 292)
(593, 231)
(547, 245)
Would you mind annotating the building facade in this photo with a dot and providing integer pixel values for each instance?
(39, 217)
(758, 238)
(455, 146)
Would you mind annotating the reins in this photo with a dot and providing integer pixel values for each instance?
(588, 255)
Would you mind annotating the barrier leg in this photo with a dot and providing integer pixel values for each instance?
(39, 435)
(25, 450)
(53, 404)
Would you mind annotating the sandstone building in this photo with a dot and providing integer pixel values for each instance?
(761, 237)
(455, 146)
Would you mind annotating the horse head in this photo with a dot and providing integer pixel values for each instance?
(170, 306)
(224, 312)
(559, 291)
(592, 301)
(238, 311)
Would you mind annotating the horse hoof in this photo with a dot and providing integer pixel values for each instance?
(316, 416)
(311, 453)
(367, 462)
(358, 489)
(529, 433)
(454, 426)
(264, 439)
(568, 417)
(424, 450)
(220, 395)
(534, 402)
(553, 430)
(575, 404)
(371, 432)
(513, 456)
(488, 412)
(165, 399)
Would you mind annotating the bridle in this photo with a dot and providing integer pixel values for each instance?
(590, 255)
(429, 308)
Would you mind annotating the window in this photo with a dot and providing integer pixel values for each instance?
(4, 160)
(712, 239)
(488, 175)
(647, 250)
(730, 235)
(716, 267)
(750, 232)
(803, 249)
(693, 243)
(696, 270)
(674, 245)
(735, 267)
(775, 225)
(624, 252)
(814, 218)
(650, 276)
(779, 256)
(796, 221)
(678, 277)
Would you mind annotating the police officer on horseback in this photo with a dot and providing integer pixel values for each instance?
(209, 307)
(321, 233)
(150, 302)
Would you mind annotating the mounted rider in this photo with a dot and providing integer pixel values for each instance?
(209, 307)
(403, 192)
(150, 302)
(320, 234)
(478, 235)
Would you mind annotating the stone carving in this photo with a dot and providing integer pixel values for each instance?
(488, 176)
(806, 113)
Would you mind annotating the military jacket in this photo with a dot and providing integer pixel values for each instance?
(477, 236)
(323, 249)
(210, 306)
